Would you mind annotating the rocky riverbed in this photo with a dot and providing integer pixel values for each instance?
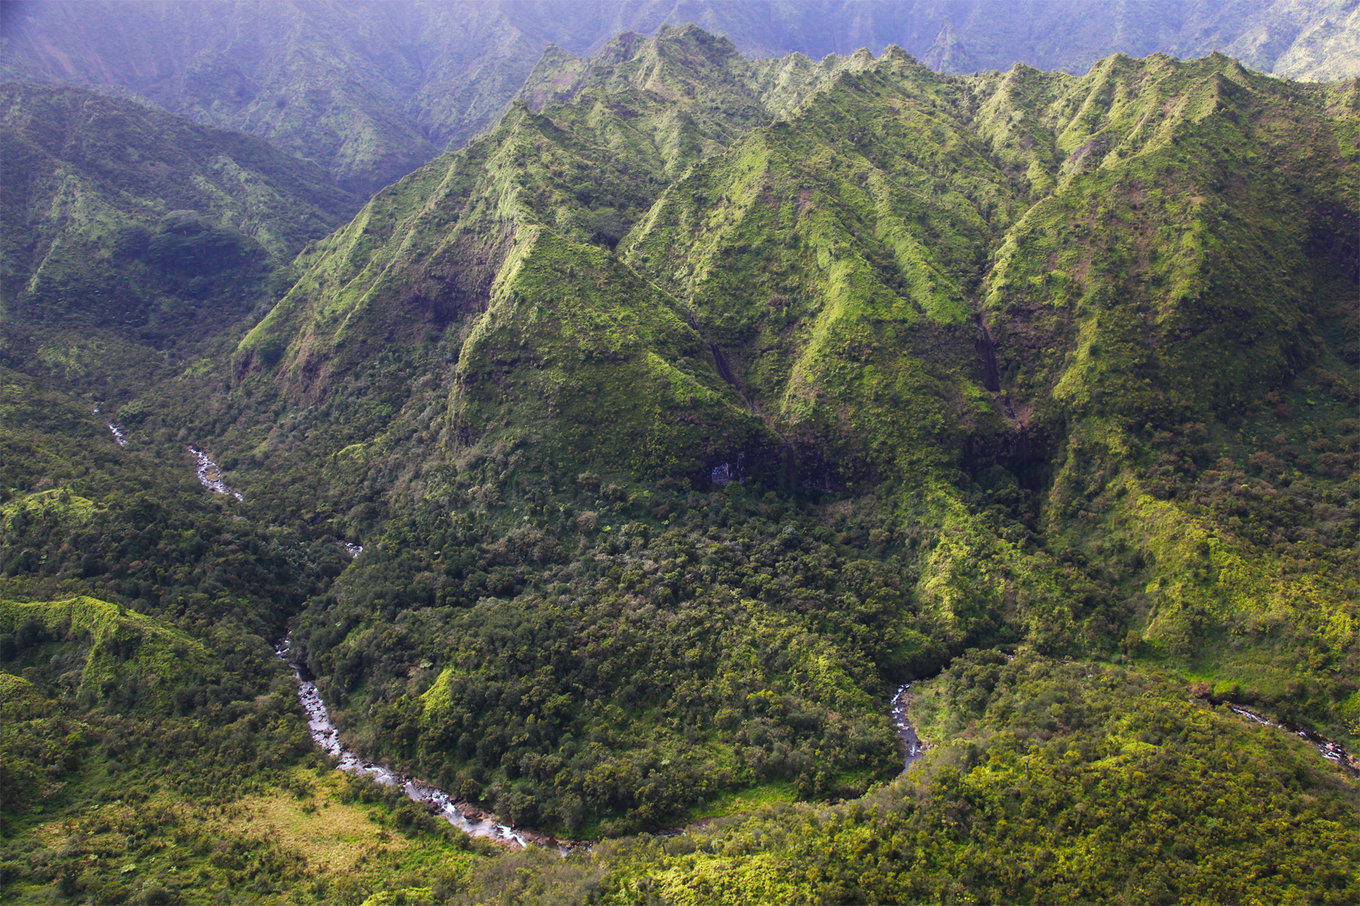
(209, 475)
(462, 815)
(1329, 750)
(912, 747)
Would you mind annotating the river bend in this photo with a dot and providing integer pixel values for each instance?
(461, 816)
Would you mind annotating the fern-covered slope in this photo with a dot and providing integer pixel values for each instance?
(1027, 342)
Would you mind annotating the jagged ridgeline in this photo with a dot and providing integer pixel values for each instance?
(702, 400)
(371, 90)
(127, 226)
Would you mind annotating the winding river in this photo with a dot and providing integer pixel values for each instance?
(476, 823)
(461, 815)
(467, 819)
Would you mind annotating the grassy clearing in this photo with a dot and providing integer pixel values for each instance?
(745, 800)
(332, 835)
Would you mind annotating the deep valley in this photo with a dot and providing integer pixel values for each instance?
(657, 473)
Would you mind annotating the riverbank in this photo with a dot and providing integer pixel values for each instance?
(209, 475)
(1332, 751)
(469, 819)
(913, 749)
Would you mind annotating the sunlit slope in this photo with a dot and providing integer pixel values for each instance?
(1071, 781)
(1055, 361)
(1179, 305)
(832, 257)
(426, 260)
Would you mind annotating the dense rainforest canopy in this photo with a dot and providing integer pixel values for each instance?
(681, 417)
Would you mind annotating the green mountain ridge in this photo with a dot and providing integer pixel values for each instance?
(685, 415)
(371, 90)
(995, 312)
(133, 225)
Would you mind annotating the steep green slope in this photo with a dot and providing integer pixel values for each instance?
(576, 353)
(587, 168)
(795, 253)
(128, 229)
(926, 363)
(1169, 305)
(429, 261)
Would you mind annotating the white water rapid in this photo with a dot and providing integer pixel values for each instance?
(441, 803)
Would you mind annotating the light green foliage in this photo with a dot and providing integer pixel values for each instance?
(701, 402)
(117, 651)
(575, 352)
(1071, 781)
(61, 504)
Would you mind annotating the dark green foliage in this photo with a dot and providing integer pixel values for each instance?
(636, 658)
(129, 229)
(1069, 782)
(700, 403)
(132, 524)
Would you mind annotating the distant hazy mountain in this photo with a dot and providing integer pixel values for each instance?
(370, 89)
(122, 217)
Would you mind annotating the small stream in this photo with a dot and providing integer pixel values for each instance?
(1329, 750)
(209, 475)
(117, 429)
(466, 818)
(912, 747)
